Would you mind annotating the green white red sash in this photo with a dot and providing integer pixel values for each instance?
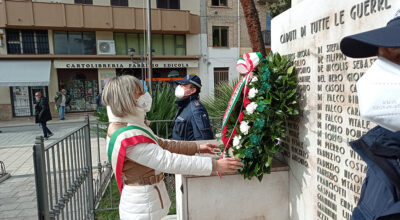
(119, 141)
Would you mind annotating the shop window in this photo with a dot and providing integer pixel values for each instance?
(82, 86)
(218, 2)
(119, 2)
(220, 36)
(162, 44)
(89, 2)
(27, 42)
(74, 42)
(168, 4)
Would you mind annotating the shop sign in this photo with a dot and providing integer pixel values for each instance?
(108, 64)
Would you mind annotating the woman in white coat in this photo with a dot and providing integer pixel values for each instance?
(139, 158)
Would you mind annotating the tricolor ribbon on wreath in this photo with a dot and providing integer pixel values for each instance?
(245, 67)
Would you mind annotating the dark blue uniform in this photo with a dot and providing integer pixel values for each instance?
(191, 121)
(380, 149)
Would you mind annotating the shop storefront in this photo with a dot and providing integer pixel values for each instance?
(24, 78)
(83, 87)
(93, 74)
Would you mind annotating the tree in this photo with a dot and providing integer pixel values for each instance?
(253, 26)
(279, 7)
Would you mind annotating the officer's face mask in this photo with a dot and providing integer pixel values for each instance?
(179, 92)
(144, 102)
(379, 94)
(37, 99)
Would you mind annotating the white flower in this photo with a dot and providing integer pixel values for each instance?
(244, 127)
(250, 108)
(238, 147)
(252, 93)
(254, 79)
(236, 140)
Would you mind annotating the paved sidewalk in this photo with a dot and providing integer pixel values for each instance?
(18, 193)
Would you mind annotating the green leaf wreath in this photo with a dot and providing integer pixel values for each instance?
(273, 98)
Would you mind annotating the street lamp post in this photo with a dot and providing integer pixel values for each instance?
(149, 49)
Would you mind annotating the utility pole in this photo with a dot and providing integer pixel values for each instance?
(149, 49)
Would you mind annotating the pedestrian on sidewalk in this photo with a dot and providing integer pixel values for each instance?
(62, 100)
(42, 114)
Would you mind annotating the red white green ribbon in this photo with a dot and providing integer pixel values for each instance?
(249, 61)
(119, 141)
(244, 66)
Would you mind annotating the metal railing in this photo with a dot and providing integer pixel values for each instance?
(63, 176)
(68, 186)
(163, 129)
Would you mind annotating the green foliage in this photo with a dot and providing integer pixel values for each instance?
(163, 108)
(216, 104)
(279, 7)
(276, 102)
(101, 114)
(110, 200)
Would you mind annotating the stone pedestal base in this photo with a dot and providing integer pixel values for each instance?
(232, 197)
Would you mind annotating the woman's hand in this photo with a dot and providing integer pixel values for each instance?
(209, 148)
(228, 165)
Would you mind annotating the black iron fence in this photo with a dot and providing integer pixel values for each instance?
(68, 186)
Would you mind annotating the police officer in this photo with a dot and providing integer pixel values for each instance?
(191, 121)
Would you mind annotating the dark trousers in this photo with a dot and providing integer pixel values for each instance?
(46, 130)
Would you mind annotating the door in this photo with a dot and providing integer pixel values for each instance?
(20, 101)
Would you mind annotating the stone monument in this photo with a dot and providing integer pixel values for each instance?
(326, 175)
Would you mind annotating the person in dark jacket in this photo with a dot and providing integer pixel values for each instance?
(379, 101)
(191, 121)
(42, 114)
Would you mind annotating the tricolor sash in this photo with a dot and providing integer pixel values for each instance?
(122, 138)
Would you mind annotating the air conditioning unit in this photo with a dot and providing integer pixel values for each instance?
(105, 47)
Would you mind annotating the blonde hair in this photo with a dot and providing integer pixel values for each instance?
(119, 94)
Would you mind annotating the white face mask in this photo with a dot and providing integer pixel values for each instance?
(179, 92)
(379, 94)
(144, 102)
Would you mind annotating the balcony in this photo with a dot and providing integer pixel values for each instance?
(57, 16)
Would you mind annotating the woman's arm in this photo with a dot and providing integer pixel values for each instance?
(153, 156)
(179, 147)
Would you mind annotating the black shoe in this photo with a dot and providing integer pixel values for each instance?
(46, 138)
(50, 135)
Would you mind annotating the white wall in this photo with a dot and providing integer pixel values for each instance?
(218, 58)
(193, 44)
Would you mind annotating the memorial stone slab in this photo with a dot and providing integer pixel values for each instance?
(326, 175)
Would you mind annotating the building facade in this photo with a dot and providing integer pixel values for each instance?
(228, 38)
(79, 44)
